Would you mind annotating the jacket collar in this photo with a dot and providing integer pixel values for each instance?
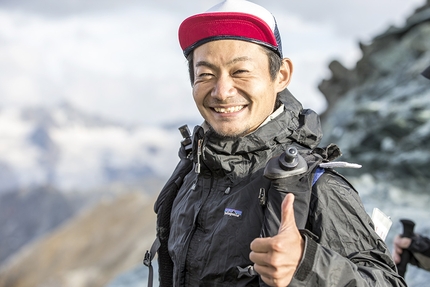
(238, 157)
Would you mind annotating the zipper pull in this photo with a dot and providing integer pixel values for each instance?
(199, 152)
(227, 191)
(262, 197)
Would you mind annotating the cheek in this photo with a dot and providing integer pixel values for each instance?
(198, 96)
(267, 105)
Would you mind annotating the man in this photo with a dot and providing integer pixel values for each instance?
(418, 245)
(224, 219)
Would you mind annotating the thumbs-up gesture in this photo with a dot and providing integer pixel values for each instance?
(276, 258)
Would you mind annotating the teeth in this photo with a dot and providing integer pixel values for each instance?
(228, 110)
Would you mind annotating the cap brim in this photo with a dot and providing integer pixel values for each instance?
(202, 28)
(426, 73)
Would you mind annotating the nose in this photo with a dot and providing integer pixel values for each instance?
(224, 88)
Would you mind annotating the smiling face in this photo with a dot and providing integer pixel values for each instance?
(232, 87)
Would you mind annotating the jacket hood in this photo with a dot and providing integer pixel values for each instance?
(307, 130)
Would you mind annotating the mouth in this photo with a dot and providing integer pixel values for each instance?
(229, 109)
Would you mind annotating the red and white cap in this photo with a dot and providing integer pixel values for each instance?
(231, 19)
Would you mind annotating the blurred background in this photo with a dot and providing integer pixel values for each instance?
(92, 94)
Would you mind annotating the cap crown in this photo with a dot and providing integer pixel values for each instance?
(231, 19)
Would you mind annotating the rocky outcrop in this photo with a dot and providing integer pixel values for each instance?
(379, 112)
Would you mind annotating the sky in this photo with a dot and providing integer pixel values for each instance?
(122, 60)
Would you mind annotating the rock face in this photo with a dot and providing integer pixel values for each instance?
(379, 112)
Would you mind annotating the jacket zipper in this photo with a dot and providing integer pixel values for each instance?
(181, 269)
(199, 153)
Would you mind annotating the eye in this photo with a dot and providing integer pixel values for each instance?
(241, 71)
(203, 72)
(202, 75)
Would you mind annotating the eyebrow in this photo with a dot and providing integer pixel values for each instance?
(206, 64)
(212, 66)
(239, 59)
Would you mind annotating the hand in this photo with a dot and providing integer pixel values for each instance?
(276, 258)
(400, 243)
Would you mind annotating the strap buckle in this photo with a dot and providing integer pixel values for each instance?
(147, 259)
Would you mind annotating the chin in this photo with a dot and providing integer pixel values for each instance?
(230, 134)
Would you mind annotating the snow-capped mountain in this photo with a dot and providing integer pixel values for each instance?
(65, 148)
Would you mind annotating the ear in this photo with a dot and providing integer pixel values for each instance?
(284, 75)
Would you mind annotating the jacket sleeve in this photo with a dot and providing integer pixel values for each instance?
(420, 248)
(346, 251)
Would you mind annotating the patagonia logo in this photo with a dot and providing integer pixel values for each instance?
(232, 212)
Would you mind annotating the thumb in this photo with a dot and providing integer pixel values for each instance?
(287, 213)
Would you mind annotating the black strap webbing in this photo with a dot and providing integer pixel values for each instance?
(149, 255)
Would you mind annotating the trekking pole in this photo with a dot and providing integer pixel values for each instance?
(408, 231)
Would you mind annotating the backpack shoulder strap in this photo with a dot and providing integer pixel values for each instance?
(318, 172)
(147, 260)
(163, 209)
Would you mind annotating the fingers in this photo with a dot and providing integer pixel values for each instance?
(287, 213)
(400, 243)
(260, 245)
(287, 221)
(396, 258)
(396, 254)
(276, 258)
(398, 250)
(404, 242)
(272, 276)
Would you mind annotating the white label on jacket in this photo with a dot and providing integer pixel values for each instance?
(382, 223)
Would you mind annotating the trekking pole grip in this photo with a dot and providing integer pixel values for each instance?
(408, 231)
